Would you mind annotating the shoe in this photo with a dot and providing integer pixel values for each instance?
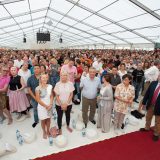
(28, 115)
(122, 131)
(34, 124)
(122, 127)
(136, 101)
(2, 119)
(19, 116)
(85, 125)
(155, 138)
(76, 102)
(93, 121)
(144, 130)
(116, 132)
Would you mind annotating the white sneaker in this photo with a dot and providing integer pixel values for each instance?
(22, 118)
(116, 132)
(122, 131)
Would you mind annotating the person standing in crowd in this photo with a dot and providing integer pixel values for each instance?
(85, 72)
(146, 65)
(4, 100)
(104, 71)
(97, 64)
(64, 94)
(122, 70)
(32, 83)
(90, 87)
(137, 80)
(115, 78)
(18, 62)
(18, 101)
(71, 70)
(152, 102)
(26, 60)
(44, 97)
(25, 73)
(54, 70)
(33, 63)
(77, 82)
(105, 103)
(151, 74)
(124, 96)
(132, 67)
(117, 62)
(43, 69)
(10, 64)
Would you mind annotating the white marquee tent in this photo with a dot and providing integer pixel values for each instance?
(81, 23)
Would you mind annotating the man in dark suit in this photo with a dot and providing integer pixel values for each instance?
(152, 102)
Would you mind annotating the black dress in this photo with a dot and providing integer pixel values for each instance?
(15, 83)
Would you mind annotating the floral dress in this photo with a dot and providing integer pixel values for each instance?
(125, 94)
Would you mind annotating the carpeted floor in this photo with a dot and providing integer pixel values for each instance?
(132, 146)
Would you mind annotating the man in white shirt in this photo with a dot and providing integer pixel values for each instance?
(90, 86)
(98, 65)
(152, 73)
(18, 62)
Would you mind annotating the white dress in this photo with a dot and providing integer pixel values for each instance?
(25, 75)
(45, 94)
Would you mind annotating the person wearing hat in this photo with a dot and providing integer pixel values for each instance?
(4, 101)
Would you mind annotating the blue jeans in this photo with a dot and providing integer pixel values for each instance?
(35, 112)
(78, 91)
(137, 87)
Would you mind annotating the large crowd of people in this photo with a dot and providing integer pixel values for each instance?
(106, 80)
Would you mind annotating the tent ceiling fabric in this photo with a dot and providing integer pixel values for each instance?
(80, 22)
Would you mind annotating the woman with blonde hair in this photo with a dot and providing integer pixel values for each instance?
(44, 97)
(66, 61)
(64, 93)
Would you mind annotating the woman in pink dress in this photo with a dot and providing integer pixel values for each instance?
(64, 93)
(17, 97)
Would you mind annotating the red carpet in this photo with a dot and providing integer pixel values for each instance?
(133, 146)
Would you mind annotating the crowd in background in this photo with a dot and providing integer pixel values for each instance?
(105, 79)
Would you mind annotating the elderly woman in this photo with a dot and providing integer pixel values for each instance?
(105, 103)
(44, 98)
(64, 93)
(124, 96)
(17, 98)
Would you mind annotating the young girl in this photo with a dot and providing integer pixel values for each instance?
(44, 96)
